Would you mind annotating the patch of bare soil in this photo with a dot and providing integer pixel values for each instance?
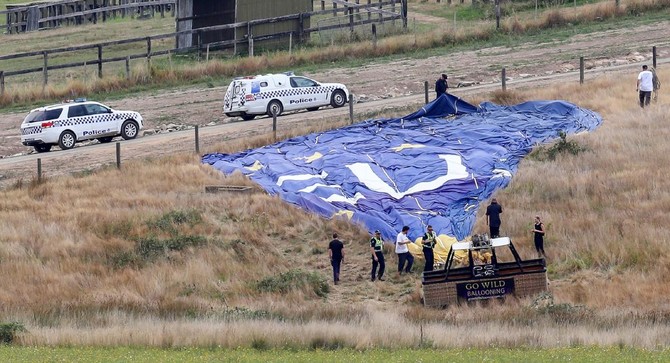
(376, 86)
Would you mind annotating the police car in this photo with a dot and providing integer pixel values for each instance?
(248, 97)
(68, 123)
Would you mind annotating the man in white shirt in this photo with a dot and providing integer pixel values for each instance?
(645, 85)
(402, 250)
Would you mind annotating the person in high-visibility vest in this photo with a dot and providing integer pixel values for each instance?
(428, 243)
(377, 250)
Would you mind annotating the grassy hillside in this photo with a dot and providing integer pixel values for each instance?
(150, 259)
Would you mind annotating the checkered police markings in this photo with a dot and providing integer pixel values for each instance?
(294, 92)
(105, 117)
(31, 130)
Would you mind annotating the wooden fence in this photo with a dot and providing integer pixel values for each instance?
(378, 9)
(43, 15)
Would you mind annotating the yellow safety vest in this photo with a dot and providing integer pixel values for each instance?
(378, 244)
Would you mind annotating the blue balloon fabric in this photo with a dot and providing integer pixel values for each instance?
(434, 166)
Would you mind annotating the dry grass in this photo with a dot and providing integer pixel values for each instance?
(78, 270)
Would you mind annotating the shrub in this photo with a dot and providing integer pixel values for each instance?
(8, 331)
(563, 146)
(294, 280)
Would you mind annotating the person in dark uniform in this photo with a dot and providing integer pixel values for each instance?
(428, 243)
(493, 212)
(336, 253)
(377, 250)
(441, 86)
(538, 231)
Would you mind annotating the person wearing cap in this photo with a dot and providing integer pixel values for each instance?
(376, 248)
(441, 86)
(493, 218)
(402, 250)
(428, 243)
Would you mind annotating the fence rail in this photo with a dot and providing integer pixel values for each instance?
(200, 46)
(53, 14)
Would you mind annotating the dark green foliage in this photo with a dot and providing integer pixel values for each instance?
(563, 146)
(8, 331)
(293, 280)
(169, 222)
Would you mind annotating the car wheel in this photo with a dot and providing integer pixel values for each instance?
(129, 130)
(247, 117)
(312, 109)
(67, 140)
(106, 139)
(42, 148)
(338, 99)
(276, 107)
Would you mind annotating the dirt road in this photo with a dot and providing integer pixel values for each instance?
(380, 85)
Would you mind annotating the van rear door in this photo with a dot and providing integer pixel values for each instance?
(233, 101)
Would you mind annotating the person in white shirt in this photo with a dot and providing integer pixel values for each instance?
(402, 250)
(645, 85)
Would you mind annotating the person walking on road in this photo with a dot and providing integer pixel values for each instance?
(336, 254)
(493, 212)
(402, 249)
(428, 242)
(377, 250)
(645, 85)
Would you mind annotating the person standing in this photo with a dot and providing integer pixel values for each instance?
(441, 86)
(402, 250)
(336, 253)
(538, 231)
(493, 212)
(656, 83)
(428, 243)
(645, 85)
(377, 250)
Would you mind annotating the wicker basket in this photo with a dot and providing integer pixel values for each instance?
(445, 294)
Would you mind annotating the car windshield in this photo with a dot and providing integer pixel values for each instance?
(46, 115)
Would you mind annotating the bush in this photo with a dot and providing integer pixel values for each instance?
(294, 280)
(8, 331)
(563, 146)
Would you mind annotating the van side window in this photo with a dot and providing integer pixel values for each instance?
(302, 82)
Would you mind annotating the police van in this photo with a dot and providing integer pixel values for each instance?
(67, 123)
(248, 97)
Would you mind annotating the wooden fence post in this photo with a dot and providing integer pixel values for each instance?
(39, 170)
(99, 61)
(323, 5)
(2, 82)
(425, 90)
(149, 54)
(118, 155)
(197, 140)
(274, 124)
(581, 70)
(504, 80)
(374, 35)
(653, 56)
(45, 70)
(198, 38)
(351, 109)
(128, 67)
